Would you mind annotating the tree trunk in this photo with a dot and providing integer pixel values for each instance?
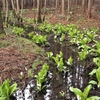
(63, 7)
(4, 3)
(68, 6)
(89, 8)
(83, 6)
(57, 4)
(6, 12)
(39, 20)
(1, 23)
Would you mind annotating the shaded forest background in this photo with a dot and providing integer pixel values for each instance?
(64, 9)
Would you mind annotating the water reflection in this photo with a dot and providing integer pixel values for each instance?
(76, 77)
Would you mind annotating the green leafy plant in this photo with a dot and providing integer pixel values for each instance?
(91, 34)
(83, 54)
(59, 29)
(39, 39)
(49, 55)
(97, 72)
(6, 90)
(97, 61)
(41, 77)
(45, 27)
(96, 49)
(31, 35)
(83, 95)
(18, 31)
(70, 61)
(60, 62)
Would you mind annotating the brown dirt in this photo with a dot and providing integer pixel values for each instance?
(13, 62)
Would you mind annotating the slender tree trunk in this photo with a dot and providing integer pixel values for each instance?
(1, 23)
(57, 4)
(6, 12)
(4, 5)
(17, 7)
(76, 3)
(83, 6)
(45, 4)
(68, 6)
(63, 7)
(89, 8)
(39, 20)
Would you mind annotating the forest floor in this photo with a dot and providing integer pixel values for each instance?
(17, 56)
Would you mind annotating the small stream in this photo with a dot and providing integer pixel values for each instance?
(77, 76)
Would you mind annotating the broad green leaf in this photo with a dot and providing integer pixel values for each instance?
(13, 88)
(97, 61)
(2, 98)
(77, 92)
(93, 98)
(92, 72)
(98, 76)
(93, 82)
(87, 90)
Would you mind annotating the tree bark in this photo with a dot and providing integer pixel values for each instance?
(89, 8)
(83, 6)
(39, 20)
(63, 7)
(1, 23)
(57, 4)
(68, 6)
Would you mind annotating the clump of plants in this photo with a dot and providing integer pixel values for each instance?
(84, 52)
(18, 31)
(96, 72)
(6, 90)
(83, 95)
(60, 62)
(45, 27)
(96, 49)
(41, 78)
(38, 39)
(59, 31)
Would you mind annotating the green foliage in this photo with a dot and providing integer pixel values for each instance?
(60, 62)
(83, 54)
(45, 27)
(59, 29)
(83, 95)
(6, 90)
(81, 37)
(18, 31)
(49, 55)
(41, 77)
(96, 49)
(91, 35)
(31, 35)
(97, 61)
(97, 72)
(70, 61)
(30, 73)
(39, 39)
